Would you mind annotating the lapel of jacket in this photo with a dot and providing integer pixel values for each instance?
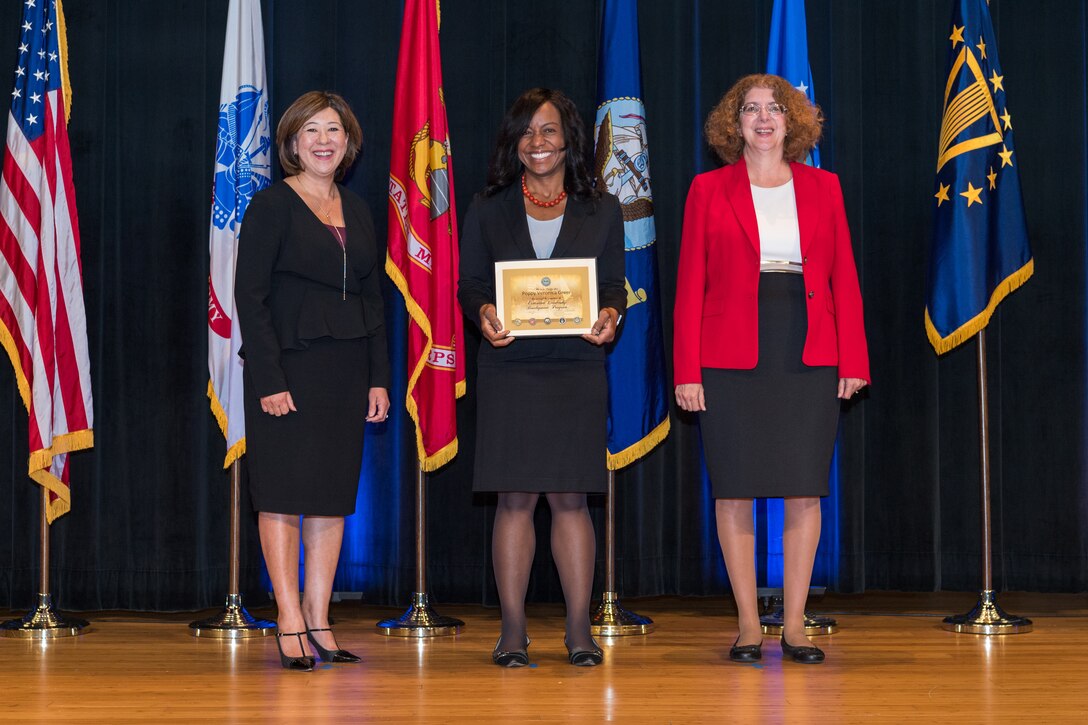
(514, 208)
(573, 217)
(805, 193)
(739, 194)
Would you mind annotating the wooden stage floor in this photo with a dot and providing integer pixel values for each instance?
(890, 662)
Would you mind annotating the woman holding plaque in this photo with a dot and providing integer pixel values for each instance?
(309, 302)
(769, 336)
(542, 400)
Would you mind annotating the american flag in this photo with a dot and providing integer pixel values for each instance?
(43, 324)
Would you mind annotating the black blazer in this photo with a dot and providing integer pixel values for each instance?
(289, 284)
(495, 230)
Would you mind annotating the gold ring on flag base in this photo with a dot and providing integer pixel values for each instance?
(771, 621)
(420, 621)
(44, 623)
(232, 622)
(612, 620)
(987, 618)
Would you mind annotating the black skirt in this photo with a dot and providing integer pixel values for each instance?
(541, 427)
(308, 462)
(770, 432)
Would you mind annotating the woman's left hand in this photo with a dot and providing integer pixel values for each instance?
(377, 405)
(604, 329)
(849, 386)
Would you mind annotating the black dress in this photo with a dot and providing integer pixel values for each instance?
(312, 323)
(542, 403)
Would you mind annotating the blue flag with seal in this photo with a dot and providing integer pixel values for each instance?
(638, 403)
(787, 53)
(980, 249)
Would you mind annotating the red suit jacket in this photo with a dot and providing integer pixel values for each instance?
(716, 318)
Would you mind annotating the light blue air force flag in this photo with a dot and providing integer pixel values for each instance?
(787, 52)
(638, 403)
(243, 146)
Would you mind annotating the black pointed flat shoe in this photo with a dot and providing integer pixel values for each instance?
(298, 664)
(805, 655)
(746, 653)
(511, 658)
(585, 657)
(330, 655)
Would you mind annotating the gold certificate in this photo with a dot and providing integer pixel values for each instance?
(537, 297)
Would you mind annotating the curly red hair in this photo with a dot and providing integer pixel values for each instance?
(804, 120)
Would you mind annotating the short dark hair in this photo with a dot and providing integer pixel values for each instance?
(804, 119)
(302, 110)
(505, 167)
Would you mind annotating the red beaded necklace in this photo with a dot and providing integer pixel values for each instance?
(544, 204)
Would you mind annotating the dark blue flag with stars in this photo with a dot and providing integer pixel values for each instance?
(638, 399)
(980, 249)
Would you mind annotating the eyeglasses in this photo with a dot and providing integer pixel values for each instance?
(753, 109)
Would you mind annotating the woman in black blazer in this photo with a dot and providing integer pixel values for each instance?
(307, 288)
(541, 402)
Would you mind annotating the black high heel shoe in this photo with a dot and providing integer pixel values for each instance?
(330, 655)
(585, 657)
(746, 653)
(511, 658)
(299, 664)
(805, 655)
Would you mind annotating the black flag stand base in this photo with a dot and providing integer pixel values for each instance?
(420, 620)
(44, 622)
(610, 619)
(987, 618)
(233, 621)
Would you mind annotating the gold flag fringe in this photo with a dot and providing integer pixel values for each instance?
(445, 454)
(972, 327)
(66, 82)
(40, 461)
(634, 452)
(238, 449)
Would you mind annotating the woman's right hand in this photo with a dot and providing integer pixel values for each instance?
(689, 396)
(491, 327)
(278, 404)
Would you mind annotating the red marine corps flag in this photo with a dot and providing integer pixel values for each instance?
(43, 325)
(422, 257)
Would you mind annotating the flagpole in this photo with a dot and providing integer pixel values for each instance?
(987, 617)
(611, 619)
(233, 621)
(44, 622)
(421, 620)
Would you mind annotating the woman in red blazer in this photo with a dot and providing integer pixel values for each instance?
(768, 336)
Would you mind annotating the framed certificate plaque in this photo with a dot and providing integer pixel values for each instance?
(539, 297)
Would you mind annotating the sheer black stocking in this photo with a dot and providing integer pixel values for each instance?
(574, 551)
(513, 546)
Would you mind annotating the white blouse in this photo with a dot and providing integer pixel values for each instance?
(776, 216)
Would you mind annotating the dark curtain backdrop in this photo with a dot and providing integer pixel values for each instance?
(148, 528)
